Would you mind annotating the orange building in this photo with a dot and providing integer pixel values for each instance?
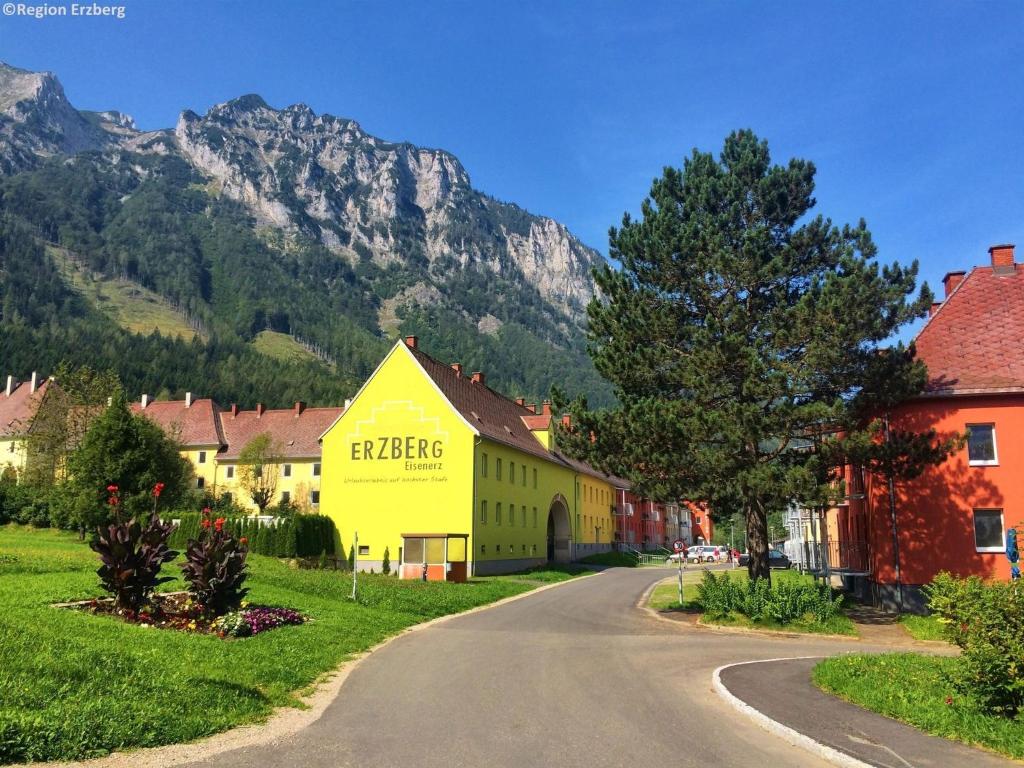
(955, 516)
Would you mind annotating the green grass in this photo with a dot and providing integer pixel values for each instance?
(281, 346)
(131, 306)
(665, 597)
(74, 685)
(914, 688)
(548, 574)
(614, 559)
(922, 627)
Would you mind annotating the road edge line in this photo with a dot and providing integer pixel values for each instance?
(784, 732)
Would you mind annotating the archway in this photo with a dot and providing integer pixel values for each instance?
(559, 532)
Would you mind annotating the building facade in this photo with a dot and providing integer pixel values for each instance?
(18, 405)
(954, 517)
(448, 476)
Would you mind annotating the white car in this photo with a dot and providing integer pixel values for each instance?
(707, 553)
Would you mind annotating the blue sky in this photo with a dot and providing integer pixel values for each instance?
(911, 111)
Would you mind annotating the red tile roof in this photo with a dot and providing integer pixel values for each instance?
(17, 410)
(494, 415)
(297, 436)
(195, 425)
(973, 342)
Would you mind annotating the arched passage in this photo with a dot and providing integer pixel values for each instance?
(559, 532)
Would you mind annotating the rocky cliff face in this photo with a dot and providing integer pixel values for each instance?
(394, 205)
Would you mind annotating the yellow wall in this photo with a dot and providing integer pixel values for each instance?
(299, 485)
(596, 524)
(206, 470)
(383, 495)
(516, 540)
(12, 454)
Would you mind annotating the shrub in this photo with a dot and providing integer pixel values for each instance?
(132, 554)
(760, 600)
(308, 535)
(215, 568)
(718, 595)
(253, 621)
(385, 566)
(986, 620)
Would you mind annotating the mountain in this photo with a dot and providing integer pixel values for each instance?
(250, 219)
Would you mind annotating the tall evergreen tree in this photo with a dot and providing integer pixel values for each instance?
(740, 334)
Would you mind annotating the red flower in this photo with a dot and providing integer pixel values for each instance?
(206, 511)
(949, 701)
(158, 489)
(206, 522)
(113, 501)
(243, 540)
(219, 525)
(112, 488)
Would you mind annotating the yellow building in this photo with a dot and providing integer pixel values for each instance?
(212, 440)
(438, 469)
(18, 405)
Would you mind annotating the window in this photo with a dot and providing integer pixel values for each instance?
(524, 516)
(497, 469)
(534, 517)
(535, 478)
(286, 496)
(314, 497)
(483, 513)
(230, 472)
(988, 530)
(200, 482)
(533, 548)
(981, 444)
(511, 471)
(202, 457)
(498, 549)
(316, 469)
(483, 549)
(483, 465)
(413, 551)
(524, 475)
(364, 549)
(524, 549)
(497, 513)
(286, 470)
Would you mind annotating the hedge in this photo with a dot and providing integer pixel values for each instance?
(299, 536)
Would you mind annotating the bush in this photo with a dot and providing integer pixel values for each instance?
(385, 566)
(215, 568)
(986, 620)
(761, 600)
(300, 536)
(132, 555)
(24, 503)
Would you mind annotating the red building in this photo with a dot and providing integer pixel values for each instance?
(639, 522)
(955, 516)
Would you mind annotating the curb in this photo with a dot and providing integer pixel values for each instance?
(776, 728)
(283, 722)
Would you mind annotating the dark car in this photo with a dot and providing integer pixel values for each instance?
(776, 559)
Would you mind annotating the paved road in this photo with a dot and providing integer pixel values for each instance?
(571, 676)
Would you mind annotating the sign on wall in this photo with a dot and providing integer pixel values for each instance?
(398, 442)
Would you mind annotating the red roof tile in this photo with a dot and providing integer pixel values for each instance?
(973, 342)
(296, 436)
(194, 425)
(17, 410)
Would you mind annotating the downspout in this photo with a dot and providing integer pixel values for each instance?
(895, 524)
(472, 513)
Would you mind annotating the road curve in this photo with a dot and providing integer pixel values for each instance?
(572, 676)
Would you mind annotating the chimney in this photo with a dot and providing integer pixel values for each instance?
(299, 408)
(952, 280)
(188, 399)
(545, 408)
(934, 308)
(457, 367)
(10, 385)
(1002, 259)
(410, 342)
(479, 377)
(521, 401)
(567, 421)
(145, 401)
(234, 410)
(348, 402)
(35, 383)
(259, 409)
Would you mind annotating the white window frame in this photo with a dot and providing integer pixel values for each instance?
(1002, 529)
(994, 461)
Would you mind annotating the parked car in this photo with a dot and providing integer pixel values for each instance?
(776, 559)
(703, 554)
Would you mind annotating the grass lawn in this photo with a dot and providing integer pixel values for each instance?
(614, 559)
(922, 627)
(665, 597)
(912, 688)
(74, 685)
(281, 346)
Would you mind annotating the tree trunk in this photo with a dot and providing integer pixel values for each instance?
(757, 541)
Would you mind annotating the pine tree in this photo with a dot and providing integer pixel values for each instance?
(385, 565)
(352, 557)
(740, 334)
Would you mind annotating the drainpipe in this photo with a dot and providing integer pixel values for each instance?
(895, 525)
(471, 553)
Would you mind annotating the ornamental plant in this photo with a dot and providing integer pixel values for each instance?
(215, 567)
(253, 621)
(132, 554)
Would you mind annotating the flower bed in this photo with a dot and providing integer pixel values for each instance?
(178, 611)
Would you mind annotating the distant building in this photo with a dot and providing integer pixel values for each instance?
(18, 405)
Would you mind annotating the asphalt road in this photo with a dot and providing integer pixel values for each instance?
(572, 676)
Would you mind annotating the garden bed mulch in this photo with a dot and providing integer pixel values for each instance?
(177, 611)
